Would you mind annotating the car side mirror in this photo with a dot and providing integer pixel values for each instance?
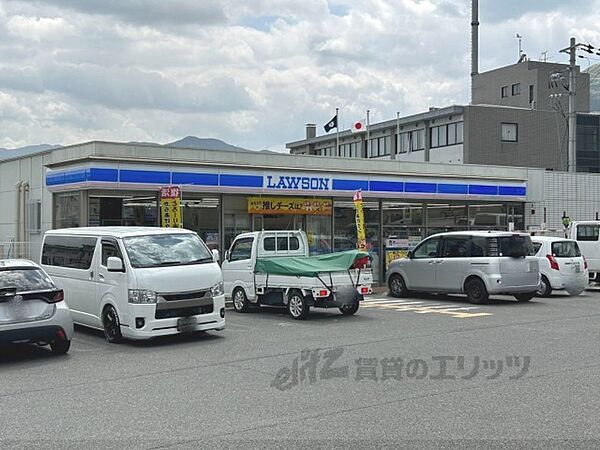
(216, 256)
(114, 264)
(227, 255)
(410, 254)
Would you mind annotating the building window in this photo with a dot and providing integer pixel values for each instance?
(459, 133)
(412, 141)
(379, 147)
(510, 132)
(67, 210)
(504, 91)
(531, 96)
(516, 89)
(444, 135)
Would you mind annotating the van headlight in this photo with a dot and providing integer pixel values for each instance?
(142, 296)
(217, 289)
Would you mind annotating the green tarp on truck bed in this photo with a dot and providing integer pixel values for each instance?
(308, 266)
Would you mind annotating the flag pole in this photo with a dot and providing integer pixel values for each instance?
(368, 133)
(397, 133)
(337, 132)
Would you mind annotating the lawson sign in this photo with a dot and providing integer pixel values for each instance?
(278, 182)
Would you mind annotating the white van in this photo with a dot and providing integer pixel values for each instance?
(136, 282)
(587, 235)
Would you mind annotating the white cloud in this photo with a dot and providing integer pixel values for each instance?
(250, 73)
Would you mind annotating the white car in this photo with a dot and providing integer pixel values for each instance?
(562, 266)
(32, 308)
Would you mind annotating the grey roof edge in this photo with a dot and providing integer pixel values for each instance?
(438, 112)
(307, 163)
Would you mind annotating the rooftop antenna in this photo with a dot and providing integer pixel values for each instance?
(520, 38)
(544, 57)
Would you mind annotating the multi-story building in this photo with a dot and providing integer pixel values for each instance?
(518, 118)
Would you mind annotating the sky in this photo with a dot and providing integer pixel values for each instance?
(252, 72)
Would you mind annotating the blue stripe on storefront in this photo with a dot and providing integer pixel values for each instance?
(480, 189)
(55, 179)
(144, 176)
(425, 188)
(197, 179)
(512, 191)
(75, 176)
(241, 180)
(386, 186)
(108, 175)
(349, 185)
(445, 188)
(256, 181)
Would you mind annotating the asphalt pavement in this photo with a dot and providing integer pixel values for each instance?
(429, 371)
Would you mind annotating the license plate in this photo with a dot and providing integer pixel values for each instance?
(16, 310)
(187, 324)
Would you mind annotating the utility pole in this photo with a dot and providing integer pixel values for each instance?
(572, 108)
(572, 152)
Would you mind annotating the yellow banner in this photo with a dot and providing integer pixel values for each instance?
(361, 240)
(170, 207)
(286, 205)
(392, 255)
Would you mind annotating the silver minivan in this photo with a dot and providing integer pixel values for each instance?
(476, 263)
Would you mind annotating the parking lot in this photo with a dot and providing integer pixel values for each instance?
(428, 368)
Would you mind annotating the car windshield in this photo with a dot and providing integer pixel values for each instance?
(158, 250)
(515, 246)
(25, 279)
(565, 249)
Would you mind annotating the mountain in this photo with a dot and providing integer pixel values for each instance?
(594, 72)
(191, 142)
(6, 153)
(205, 144)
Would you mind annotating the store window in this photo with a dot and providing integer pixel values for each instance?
(135, 210)
(446, 217)
(345, 230)
(318, 232)
(488, 217)
(236, 218)
(67, 210)
(402, 228)
(202, 215)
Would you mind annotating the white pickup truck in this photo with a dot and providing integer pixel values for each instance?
(274, 268)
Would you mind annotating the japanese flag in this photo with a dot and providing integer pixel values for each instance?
(358, 126)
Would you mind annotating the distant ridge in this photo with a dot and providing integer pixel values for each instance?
(205, 144)
(191, 142)
(6, 153)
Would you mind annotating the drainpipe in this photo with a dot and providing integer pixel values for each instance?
(16, 249)
(24, 237)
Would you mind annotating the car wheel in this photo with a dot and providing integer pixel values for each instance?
(524, 297)
(60, 346)
(397, 286)
(476, 291)
(297, 305)
(350, 309)
(111, 325)
(545, 288)
(240, 301)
